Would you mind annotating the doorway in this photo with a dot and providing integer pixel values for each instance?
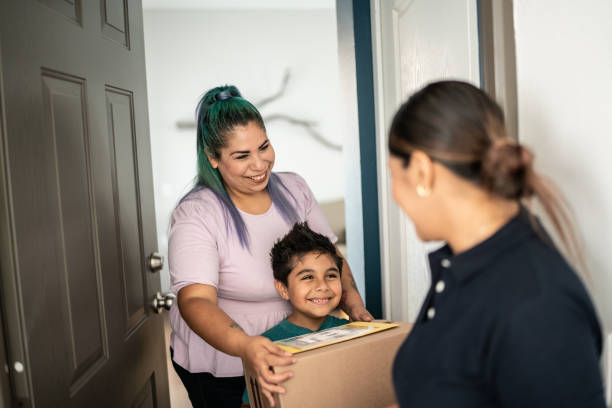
(283, 57)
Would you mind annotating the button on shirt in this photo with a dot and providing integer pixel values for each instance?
(504, 324)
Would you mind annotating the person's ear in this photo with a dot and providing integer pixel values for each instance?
(214, 162)
(422, 173)
(282, 289)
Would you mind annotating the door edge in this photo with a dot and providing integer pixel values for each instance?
(15, 381)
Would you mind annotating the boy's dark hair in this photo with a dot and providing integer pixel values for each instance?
(297, 243)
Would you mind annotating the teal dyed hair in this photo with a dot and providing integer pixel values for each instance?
(218, 112)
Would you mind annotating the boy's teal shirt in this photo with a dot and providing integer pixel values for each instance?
(286, 329)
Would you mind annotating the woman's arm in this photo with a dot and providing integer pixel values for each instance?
(352, 304)
(198, 306)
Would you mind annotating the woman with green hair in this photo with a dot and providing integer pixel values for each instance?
(219, 244)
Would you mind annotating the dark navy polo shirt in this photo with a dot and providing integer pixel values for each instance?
(505, 324)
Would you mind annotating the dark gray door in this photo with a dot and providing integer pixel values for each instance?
(77, 207)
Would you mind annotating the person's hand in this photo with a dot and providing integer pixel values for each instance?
(359, 313)
(260, 354)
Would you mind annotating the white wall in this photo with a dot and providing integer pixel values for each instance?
(190, 51)
(564, 63)
(564, 68)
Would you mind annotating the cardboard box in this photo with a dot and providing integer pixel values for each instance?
(354, 373)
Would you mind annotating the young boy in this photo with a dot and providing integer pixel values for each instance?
(307, 273)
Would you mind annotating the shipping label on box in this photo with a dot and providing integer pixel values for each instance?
(332, 335)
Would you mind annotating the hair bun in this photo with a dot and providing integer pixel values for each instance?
(217, 94)
(507, 170)
(226, 92)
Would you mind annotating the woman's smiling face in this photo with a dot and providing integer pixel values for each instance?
(246, 160)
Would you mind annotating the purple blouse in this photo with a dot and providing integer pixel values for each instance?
(201, 250)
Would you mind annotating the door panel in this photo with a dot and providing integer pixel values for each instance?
(80, 206)
(120, 117)
(417, 42)
(435, 40)
(79, 275)
(146, 397)
(69, 8)
(115, 21)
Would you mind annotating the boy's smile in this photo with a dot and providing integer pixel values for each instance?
(313, 288)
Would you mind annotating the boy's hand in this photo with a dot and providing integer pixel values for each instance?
(260, 355)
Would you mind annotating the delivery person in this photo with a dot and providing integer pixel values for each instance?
(506, 322)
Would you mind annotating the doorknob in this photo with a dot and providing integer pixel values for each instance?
(162, 301)
(156, 262)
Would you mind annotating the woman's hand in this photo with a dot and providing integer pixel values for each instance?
(352, 304)
(358, 313)
(260, 354)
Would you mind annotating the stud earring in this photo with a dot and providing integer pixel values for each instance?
(422, 191)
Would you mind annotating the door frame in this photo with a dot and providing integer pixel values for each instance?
(364, 65)
(498, 57)
(361, 175)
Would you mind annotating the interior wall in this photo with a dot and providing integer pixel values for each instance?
(564, 61)
(190, 51)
